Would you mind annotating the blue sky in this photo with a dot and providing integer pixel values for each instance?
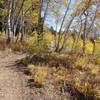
(50, 20)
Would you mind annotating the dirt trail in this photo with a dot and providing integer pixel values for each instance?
(13, 83)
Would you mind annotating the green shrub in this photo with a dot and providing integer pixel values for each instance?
(34, 46)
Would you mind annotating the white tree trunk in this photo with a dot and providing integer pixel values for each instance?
(10, 32)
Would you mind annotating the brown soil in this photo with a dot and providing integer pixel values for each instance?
(13, 83)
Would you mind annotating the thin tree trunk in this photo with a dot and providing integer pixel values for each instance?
(15, 23)
(59, 33)
(84, 34)
(22, 24)
(55, 35)
(94, 42)
(65, 34)
(41, 21)
(78, 37)
(10, 32)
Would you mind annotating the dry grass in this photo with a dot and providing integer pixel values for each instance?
(65, 74)
(81, 72)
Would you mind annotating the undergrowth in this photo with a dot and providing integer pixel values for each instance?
(81, 72)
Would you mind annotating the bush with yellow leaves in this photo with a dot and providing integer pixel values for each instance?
(39, 74)
(35, 46)
(85, 83)
(97, 60)
(80, 62)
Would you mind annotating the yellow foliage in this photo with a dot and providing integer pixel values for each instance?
(69, 42)
(98, 38)
(77, 82)
(89, 47)
(33, 46)
(80, 62)
(94, 69)
(31, 67)
(60, 75)
(39, 74)
(48, 36)
(97, 60)
(84, 75)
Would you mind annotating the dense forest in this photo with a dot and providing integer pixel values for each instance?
(52, 46)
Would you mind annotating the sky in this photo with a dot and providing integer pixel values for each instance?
(50, 20)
